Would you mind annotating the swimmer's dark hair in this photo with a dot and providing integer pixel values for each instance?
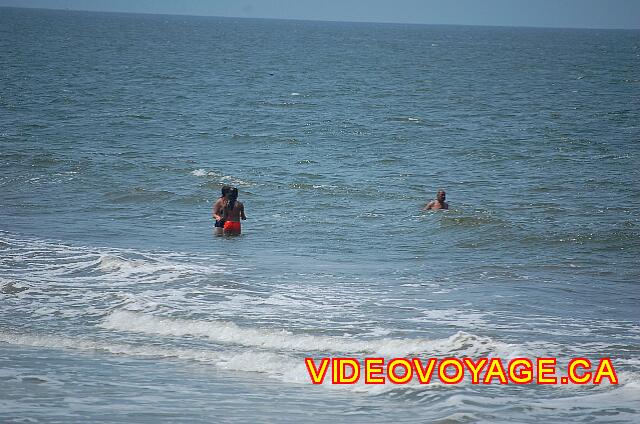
(225, 190)
(232, 195)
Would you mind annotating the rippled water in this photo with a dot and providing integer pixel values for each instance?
(120, 305)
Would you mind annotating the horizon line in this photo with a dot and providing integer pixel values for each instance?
(319, 20)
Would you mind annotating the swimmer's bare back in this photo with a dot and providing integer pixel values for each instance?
(235, 214)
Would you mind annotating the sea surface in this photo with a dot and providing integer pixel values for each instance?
(118, 304)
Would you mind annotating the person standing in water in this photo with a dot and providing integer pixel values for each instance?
(233, 212)
(217, 209)
(438, 203)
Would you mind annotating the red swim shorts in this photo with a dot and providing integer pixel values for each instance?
(232, 226)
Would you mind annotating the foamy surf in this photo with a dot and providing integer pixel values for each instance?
(44, 261)
(259, 362)
(289, 368)
(229, 333)
(221, 177)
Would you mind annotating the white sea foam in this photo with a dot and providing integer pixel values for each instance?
(239, 361)
(284, 367)
(225, 332)
(64, 282)
(235, 181)
(279, 366)
(597, 397)
(110, 263)
(454, 317)
(199, 173)
(151, 268)
(289, 367)
(47, 262)
(279, 303)
(102, 279)
(224, 179)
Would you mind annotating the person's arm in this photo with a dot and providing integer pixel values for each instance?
(217, 209)
(242, 215)
(429, 205)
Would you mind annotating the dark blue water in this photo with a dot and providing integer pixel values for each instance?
(118, 131)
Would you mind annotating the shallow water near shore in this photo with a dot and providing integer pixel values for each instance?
(119, 304)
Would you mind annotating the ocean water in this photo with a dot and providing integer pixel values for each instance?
(119, 304)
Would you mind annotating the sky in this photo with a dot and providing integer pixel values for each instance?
(537, 13)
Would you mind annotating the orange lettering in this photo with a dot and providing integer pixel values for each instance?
(424, 374)
(373, 366)
(442, 371)
(544, 370)
(339, 366)
(475, 368)
(317, 376)
(525, 374)
(605, 369)
(495, 370)
(391, 371)
(573, 375)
